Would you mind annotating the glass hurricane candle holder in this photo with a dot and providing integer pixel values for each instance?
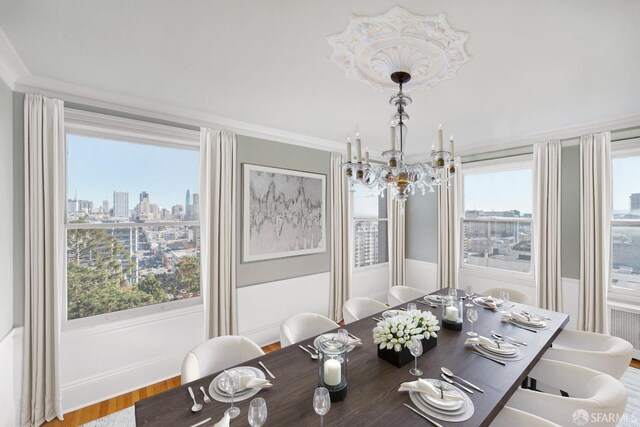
(332, 368)
(452, 314)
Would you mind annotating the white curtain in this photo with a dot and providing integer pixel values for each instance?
(396, 220)
(44, 259)
(546, 223)
(595, 231)
(218, 180)
(340, 239)
(448, 231)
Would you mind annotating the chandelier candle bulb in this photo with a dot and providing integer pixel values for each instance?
(349, 151)
(451, 148)
(440, 138)
(359, 148)
(366, 156)
(393, 138)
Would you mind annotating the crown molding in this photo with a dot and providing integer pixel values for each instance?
(11, 66)
(127, 104)
(612, 124)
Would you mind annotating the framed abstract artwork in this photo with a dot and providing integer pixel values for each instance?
(283, 213)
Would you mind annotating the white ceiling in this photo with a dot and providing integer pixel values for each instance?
(536, 66)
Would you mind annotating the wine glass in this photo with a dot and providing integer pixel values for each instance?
(342, 336)
(257, 412)
(321, 403)
(504, 296)
(415, 347)
(230, 383)
(472, 316)
(453, 293)
(412, 307)
(468, 291)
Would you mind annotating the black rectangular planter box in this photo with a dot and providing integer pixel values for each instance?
(404, 356)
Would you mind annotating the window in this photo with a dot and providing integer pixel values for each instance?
(132, 224)
(497, 212)
(370, 227)
(625, 224)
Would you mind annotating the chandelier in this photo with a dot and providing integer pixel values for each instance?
(400, 178)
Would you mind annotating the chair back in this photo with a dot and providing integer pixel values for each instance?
(400, 294)
(357, 308)
(217, 354)
(514, 295)
(304, 325)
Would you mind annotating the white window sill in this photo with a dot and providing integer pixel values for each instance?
(97, 324)
(380, 266)
(515, 277)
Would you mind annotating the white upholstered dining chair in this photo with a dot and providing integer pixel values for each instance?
(216, 354)
(360, 307)
(514, 295)
(603, 353)
(304, 325)
(511, 417)
(400, 294)
(590, 392)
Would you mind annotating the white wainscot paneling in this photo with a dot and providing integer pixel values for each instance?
(100, 362)
(10, 377)
(371, 282)
(421, 275)
(262, 308)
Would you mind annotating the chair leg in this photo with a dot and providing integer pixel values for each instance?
(564, 393)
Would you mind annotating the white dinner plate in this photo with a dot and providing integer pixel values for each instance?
(449, 410)
(503, 357)
(435, 298)
(535, 323)
(329, 336)
(391, 313)
(218, 395)
(481, 301)
(512, 351)
(464, 413)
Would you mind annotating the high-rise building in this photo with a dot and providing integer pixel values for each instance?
(84, 206)
(121, 204)
(195, 209)
(187, 205)
(105, 207)
(634, 198)
(144, 195)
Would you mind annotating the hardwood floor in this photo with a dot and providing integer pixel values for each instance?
(102, 409)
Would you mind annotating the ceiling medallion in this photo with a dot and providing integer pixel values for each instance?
(372, 48)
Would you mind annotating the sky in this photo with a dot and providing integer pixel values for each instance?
(626, 180)
(97, 167)
(499, 191)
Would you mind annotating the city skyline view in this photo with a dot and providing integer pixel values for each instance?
(98, 167)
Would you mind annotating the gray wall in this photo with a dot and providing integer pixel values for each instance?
(570, 212)
(421, 216)
(268, 153)
(18, 209)
(6, 214)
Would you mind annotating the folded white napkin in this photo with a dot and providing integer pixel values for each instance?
(512, 315)
(489, 343)
(249, 381)
(490, 302)
(224, 422)
(426, 387)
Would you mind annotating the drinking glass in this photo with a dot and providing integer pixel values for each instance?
(342, 336)
(415, 347)
(468, 291)
(230, 383)
(321, 403)
(257, 412)
(412, 306)
(472, 316)
(504, 296)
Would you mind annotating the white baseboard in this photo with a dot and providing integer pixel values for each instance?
(11, 377)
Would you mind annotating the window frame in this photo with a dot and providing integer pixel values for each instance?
(96, 125)
(502, 164)
(352, 249)
(619, 150)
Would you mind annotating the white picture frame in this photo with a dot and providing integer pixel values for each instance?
(284, 226)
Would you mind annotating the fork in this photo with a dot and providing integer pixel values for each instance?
(206, 398)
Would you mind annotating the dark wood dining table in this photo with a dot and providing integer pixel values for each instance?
(373, 398)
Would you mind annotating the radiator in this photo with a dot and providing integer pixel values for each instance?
(625, 323)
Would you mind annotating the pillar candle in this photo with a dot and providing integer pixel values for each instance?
(349, 151)
(332, 372)
(451, 147)
(451, 313)
(359, 148)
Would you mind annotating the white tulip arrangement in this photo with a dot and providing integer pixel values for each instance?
(393, 333)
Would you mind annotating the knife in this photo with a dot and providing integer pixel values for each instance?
(422, 415)
(488, 357)
(202, 422)
(267, 370)
(522, 327)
